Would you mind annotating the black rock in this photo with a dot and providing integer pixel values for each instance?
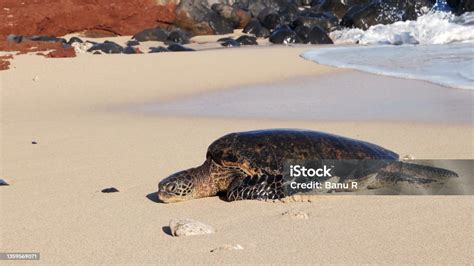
(73, 40)
(357, 16)
(288, 15)
(230, 13)
(34, 142)
(283, 35)
(219, 24)
(383, 12)
(130, 50)
(159, 49)
(254, 27)
(153, 34)
(269, 18)
(338, 7)
(177, 36)
(256, 6)
(247, 40)
(224, 39)
(109, 190)
(175, 47)
(133, 43)
(318, 36)
(326, 20)
(231, 43)
(45, 38)
(465, 6)
(311, 22)
(14, 38)
(303, 33)
(107, 47)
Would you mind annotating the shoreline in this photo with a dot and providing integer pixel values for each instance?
(325, 98)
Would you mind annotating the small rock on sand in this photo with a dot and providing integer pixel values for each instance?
(36, 78)
(189, 227)
(3, 183)
(299, 215)
(110, 190)
(228, 247)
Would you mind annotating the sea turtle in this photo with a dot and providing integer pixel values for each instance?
(250, 165)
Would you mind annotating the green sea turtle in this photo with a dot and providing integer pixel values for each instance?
(250, 165)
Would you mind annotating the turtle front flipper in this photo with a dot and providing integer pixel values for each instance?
(256, 187)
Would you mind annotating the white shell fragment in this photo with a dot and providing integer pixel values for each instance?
(228, 247)
(408, 157)
(299, 215)
(189, 227)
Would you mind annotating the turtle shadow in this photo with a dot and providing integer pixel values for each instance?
(153, 196)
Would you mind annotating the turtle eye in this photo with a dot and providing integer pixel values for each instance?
(170, 187)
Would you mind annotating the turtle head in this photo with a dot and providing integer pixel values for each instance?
(185, 185)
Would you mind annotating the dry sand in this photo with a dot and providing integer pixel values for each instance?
(68, 106)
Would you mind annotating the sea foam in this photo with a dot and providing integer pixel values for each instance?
(438, 47)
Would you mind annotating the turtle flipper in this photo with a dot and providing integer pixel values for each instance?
(256, 187)
(410, 173)
(419, 171)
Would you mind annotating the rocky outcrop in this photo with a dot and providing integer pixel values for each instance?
(98, 17)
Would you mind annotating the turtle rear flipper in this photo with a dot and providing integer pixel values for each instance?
(416, 174)
(419, 171)
(256, 187)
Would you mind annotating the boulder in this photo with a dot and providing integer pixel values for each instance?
(318, 36)
(153, 34)
(254, 27)
(283, 35)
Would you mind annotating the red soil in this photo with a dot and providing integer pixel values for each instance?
(55, 50)
(4, 63)
(57, 18)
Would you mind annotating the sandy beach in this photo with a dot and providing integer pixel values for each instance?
(78, 111)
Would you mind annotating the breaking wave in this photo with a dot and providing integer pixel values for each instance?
(431, 28)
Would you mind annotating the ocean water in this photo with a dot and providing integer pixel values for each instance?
(438, 47)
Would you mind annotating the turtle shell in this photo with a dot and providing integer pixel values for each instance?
(268, 149)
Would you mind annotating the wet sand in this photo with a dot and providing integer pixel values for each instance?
(354, 96)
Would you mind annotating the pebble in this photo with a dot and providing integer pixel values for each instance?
(296, 215)
(189, 227)
(228, 247)
(3, 183)
(34, 142)
(109, 190)
(36, 78)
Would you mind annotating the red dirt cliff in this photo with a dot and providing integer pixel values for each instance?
(60, 17)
